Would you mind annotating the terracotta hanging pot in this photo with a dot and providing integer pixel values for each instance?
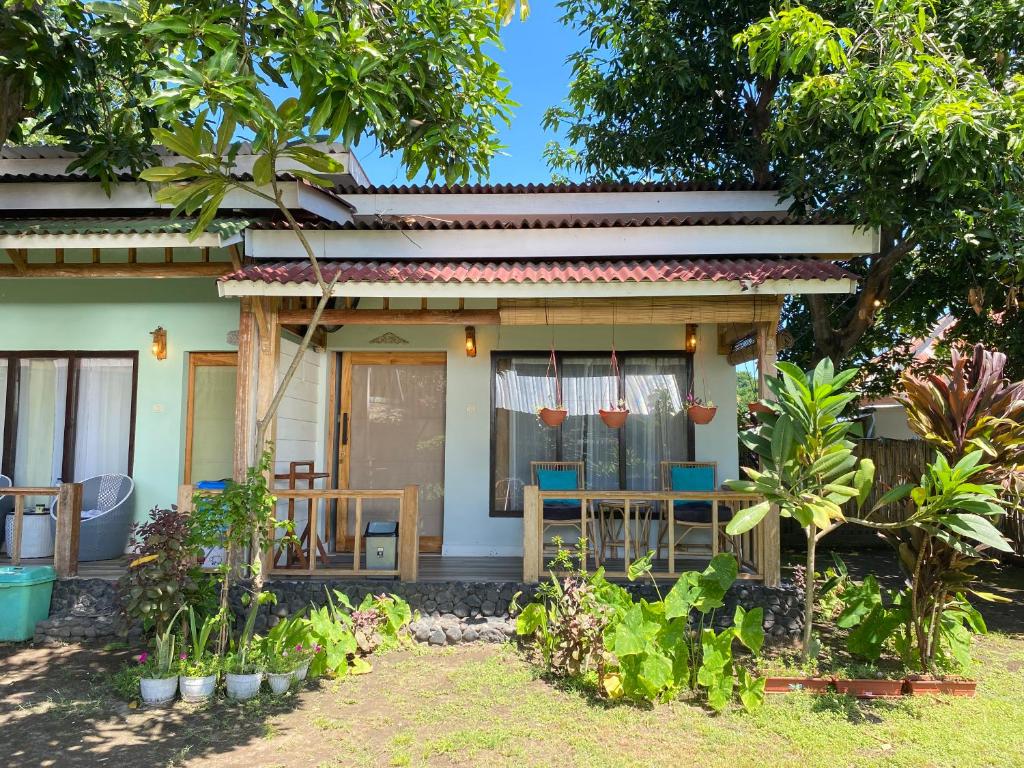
(756, 407)
(702, 414)
(615, 419)
(552, 417)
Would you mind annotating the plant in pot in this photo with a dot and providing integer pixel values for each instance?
(199, 667)
(700, 411)
(159, 681)
(553, 416)
(615, 416)
(284, 651)
(245, 665)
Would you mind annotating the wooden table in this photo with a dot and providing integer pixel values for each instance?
(301, 471)
(612, 511)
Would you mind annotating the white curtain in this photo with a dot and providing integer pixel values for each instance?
(657, 428)
(103, 429)
(42, 397)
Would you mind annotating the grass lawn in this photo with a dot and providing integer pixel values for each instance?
(481, 705)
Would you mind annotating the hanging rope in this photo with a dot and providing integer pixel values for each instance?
(553, 363)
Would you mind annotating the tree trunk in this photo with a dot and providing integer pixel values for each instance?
(809, 591)
(12, 105)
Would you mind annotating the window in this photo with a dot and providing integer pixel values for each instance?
(654, 386)
(66, 415)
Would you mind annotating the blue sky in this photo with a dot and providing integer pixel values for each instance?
(534, 63)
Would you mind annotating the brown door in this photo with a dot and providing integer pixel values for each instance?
(392, 422)
(210, 421)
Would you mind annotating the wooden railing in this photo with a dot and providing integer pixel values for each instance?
(69, 516)
(309, 557)
(749, 547)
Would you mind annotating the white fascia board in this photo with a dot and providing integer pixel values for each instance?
(605, 242)
(126, 240)
(681, 288)
(319, 203)
(565, 203)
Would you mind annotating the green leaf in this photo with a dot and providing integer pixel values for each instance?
(977, 528)
(679, 599)
(714, 582)
(750, 628)
(751, 689)
(747, 518)
(262, 170)
(533, 617)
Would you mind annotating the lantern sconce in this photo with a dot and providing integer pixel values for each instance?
(159, 343)
(691, 338)
(470, 341)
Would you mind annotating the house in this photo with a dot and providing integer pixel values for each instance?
(125, 347)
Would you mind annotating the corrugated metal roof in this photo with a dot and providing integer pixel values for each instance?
(523, 189)
(754, 271)
(428, 223)
(116, 225)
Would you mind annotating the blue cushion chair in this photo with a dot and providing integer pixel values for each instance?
(691, 515)
(563, 512)
(107, 517)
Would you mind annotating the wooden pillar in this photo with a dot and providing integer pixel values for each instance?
(771, 567)
(268, 350)
(246, 373)
(408, 535)
(531, 535)
(69, 516)
(14, 545)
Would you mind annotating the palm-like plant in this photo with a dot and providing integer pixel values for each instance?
(808, 468)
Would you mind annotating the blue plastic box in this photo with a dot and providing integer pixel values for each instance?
(24, 599)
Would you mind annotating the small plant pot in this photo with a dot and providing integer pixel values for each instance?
(280, 682)
(196, 689)
(701, 414)
(797, 684)
(243, 687)
(756, 407)
(921, 687)
(158, 690)
(613, 419)
(870, 689)
(300, 672)
(552, 417)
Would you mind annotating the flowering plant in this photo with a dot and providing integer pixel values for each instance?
(692, 401)
(558, 406)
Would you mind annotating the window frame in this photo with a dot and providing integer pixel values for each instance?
(73, 357)
(560, 356)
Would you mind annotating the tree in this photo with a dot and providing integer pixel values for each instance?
(901, 114)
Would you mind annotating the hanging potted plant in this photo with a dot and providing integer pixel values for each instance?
(756, 406)
(615, 417)
(554, 416)
(700, 411)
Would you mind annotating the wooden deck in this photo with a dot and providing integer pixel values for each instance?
(433, 567)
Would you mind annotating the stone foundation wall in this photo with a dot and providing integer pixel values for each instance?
(449, 612)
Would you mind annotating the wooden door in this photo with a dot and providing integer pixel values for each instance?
(392, 434)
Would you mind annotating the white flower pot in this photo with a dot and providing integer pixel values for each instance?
(196, 689)
(242, 687)
(158, 690)
(299, 673)
(280, 682)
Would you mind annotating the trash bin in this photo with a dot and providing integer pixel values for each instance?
(24, 599)
(381, 537)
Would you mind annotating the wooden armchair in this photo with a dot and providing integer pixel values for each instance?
(563, 513)
(690, 515)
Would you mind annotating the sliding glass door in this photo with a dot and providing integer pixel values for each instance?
(66, 415)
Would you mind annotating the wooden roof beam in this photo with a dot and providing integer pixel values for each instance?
(123, 269)
(391, 317)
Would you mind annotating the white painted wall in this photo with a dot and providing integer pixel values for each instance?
(301, 430)
(890, 421)
(468, 527)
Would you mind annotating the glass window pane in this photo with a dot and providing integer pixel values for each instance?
(103, 426)
(657, 428)
(213, 422)
(588, 386)
(521, 386)
(42, 398)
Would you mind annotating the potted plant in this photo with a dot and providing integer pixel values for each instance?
(305, 658)
(791, 684)
(756, 406)
(284, 651)
(280, 667)
(615, 417)
(553, 417)
(243, 668)
(199, 667)
(918, 685)
(159, 681)
(869, 688)
(700, 411)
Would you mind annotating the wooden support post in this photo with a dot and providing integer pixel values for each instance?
(771, 567)
(14, 546)
(246, 375)
(185, 499)
(19, 258)
(532, 542)
(408, 535)
(69, 517)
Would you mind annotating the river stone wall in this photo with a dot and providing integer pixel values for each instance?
(449, 612)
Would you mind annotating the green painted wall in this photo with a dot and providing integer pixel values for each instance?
(92, 314)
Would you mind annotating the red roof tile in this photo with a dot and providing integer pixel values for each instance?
(670, 270)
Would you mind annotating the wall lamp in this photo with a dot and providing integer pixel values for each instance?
(159, 343)
(690, 345)
(470, 341)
